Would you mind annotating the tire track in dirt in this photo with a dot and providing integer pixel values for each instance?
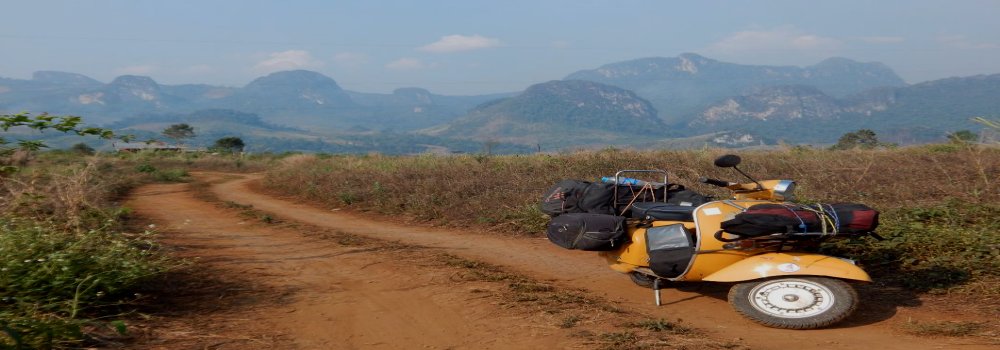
(288, 290)
(704, 308)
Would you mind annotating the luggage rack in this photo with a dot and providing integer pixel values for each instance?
(650, 186)
(778, 241)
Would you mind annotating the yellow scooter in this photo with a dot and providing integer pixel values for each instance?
(778, 284)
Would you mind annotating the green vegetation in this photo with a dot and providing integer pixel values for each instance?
(66, 262)
(11, 158)
(864, 138)
(54, 281)
(179, 132)
(963, 136)
(229, 144)
(69, 266)
(934, 248)
(939, 208)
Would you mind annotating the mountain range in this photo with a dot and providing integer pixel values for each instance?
(681, 86)
(638, 102)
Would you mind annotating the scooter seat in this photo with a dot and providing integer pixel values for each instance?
(662, 211)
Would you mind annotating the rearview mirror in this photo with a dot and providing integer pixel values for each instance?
(727, 161)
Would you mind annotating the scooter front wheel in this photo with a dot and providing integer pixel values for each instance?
(795, 303)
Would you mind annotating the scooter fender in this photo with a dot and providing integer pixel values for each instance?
(788, 264)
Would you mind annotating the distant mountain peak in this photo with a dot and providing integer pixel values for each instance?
(131, 87)
(300, 78)
(693, 56)
(134, 81)
(298, 89)
(64, 78)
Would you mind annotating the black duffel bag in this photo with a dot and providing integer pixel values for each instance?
(586, 231)
(766, 219)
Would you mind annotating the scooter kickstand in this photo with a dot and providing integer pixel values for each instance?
(656, 290)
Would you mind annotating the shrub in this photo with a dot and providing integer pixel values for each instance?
(933, 247)
(51, 279)
(63, 259)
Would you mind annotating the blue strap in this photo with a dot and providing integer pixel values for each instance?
(802, 223)
(836, 218)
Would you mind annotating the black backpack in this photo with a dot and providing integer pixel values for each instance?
(586, 231)
(574, 196)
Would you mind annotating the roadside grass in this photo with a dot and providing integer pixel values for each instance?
(70, 264)
(939, 205)
(943, 328)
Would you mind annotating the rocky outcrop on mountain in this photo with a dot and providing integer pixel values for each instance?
(561, 109)
(772, 103)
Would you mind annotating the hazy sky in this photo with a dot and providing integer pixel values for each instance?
(471, 47)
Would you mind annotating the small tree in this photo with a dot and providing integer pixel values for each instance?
(963, 137)
(863, 138)
(41, 122)
(230, 144)
(179, 132)
(82, 149)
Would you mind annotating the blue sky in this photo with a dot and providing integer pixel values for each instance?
(472, 47)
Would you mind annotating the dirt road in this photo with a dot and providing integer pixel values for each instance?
(349, 303)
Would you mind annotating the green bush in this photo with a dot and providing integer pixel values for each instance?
(170, 175)
(145, 168)
(933, 248)
(51, 280)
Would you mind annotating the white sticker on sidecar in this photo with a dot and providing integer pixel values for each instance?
(712, 211)
(788, 267)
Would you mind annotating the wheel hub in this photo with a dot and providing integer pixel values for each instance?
(791, 298)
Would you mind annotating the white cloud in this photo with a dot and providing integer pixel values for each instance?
(785, 38)
(456, 43)
(882, 39)
(286, 60)
(406, 63)
(143, 69)
(963, 42)
(350, 59)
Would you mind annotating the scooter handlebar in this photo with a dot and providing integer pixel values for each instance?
(714, 182)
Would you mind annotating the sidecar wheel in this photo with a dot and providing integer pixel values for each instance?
(642, 280)
(794, 303)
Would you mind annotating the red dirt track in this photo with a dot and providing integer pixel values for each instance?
(332, 298)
